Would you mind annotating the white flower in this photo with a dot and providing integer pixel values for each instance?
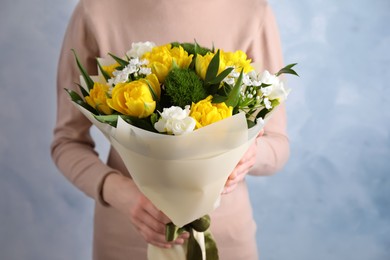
(276, 89)
(268, 78)
(175, 120)
(134, 67)
(120, 76)
(229, 81)
(145, 71)
(252, 78)
(279, 92)
(140, 48)
(267, 103)
(266, 91)
(231, 78)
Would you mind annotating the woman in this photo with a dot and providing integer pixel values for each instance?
(125, 221)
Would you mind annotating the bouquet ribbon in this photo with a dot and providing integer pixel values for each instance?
(194, 249)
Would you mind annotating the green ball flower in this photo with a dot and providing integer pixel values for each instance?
(183, 87)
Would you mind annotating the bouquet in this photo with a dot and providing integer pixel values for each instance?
(181, 116)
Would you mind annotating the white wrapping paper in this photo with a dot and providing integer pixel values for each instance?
(183, 176)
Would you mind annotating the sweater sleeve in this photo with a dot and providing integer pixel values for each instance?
(273, 146)
(72, 148)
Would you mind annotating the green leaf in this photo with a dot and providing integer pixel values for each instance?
(123, 63)
(262, 113)
(196, 47)
(220, 76)
(104, 73)
(75, 97)
(288, 70)
(219, 99)
(213, 68)
(88, 80)
(151, 89)
(250, 123)
(83, 91)
(143, 123)
(108, 119)
(234, 95)
(153, 118)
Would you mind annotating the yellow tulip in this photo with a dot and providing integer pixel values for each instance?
(237, 59)
(181, 57)
(161, 59)
(98, 98)
(206, 113)
(133, 99)
(153, 82)
(109, 69)
(202, 63)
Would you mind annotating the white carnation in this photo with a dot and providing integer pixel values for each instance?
(175, 120)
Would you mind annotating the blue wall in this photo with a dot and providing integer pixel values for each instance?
(330, 202)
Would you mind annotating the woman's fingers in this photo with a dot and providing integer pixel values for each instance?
(151, 222)
(241, 169)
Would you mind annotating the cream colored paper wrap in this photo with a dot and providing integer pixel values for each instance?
(183, 176)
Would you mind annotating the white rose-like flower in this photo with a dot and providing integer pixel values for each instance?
(140, 48)
(175, 120)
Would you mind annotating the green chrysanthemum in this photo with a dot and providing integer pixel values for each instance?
(183, 86)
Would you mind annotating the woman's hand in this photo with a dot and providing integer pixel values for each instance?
(243, 167)
(122, 194)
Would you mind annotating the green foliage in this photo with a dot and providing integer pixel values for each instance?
(192, 48)
(213, 79)
(212, 69)
(104, 73)
(143, 123)
(234, 95)
(122, 63)
(75, 97)
(183, 87)
(83, 72)
(83, 91)
(112, 120)
(288, 70)
(108, 119)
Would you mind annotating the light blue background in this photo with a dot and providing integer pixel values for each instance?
(332, 201)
